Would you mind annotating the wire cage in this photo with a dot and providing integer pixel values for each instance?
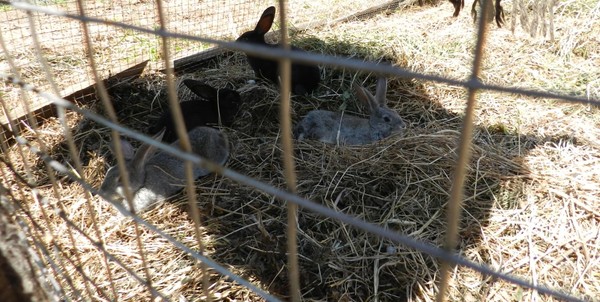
(87, 84)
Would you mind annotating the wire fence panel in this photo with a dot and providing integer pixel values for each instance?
(462, 203)
(116, 49)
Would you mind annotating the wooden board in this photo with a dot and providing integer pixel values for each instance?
(192, 62)
(45, 109)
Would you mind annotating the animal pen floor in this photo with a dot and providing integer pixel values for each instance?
(531, 194)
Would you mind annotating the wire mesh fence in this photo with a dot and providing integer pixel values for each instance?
(375, 222)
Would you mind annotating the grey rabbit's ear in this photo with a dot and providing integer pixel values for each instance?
(200, 89)
(381, 91)
(366, 97)
(266, 20)
(126, 149)
(145, 152)
(159, 136)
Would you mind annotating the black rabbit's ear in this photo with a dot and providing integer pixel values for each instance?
(200, 89)
(266, 20)
(229, 96)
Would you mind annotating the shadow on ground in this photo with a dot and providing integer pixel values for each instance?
(401, 183)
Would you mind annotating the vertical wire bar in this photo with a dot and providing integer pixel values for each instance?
(58, 267)
(59, 272)
(21, 192)
(62, 254)
(103, 93)
(464, 155)
(55, 283)
(33, 124)
(184, 143)
(72, 151)
(72, 225)
(285, 67)
(90, 208)
(7, 113)
(269, 189)
(63, 267)
(60, 251)
(78, 261)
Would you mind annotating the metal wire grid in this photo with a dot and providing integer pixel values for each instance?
(54, 255)
(63, 47)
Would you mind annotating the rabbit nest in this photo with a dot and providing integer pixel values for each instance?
(401, 183)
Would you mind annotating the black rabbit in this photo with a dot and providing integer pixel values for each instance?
(305, 78)
(201, 105)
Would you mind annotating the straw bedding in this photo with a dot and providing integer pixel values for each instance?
(401, 183)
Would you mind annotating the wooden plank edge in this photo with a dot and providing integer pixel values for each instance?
(46, 109)
(187, 63)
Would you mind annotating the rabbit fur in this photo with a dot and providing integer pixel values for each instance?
(201, 105)
(156, 175)
(337, 128)
(305, 78)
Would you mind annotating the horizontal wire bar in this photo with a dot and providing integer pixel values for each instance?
(65, 170)
(73, 225)
(284, 195)
(58, 270)
(110, 256)
(307, 57)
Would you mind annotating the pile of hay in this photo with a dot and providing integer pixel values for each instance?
(527, 186)
(400, 183)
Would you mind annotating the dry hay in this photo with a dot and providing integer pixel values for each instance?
(400, 183)
(117, 49)
(530, 199)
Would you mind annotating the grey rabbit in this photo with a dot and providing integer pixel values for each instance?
(156, 175)
(335, 127)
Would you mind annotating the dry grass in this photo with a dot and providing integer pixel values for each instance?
(117, 49)
(530, 205)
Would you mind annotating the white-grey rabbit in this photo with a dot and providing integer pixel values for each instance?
(335, 127)
(154, 176)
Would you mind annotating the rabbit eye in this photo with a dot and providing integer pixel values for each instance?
(386, 119)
